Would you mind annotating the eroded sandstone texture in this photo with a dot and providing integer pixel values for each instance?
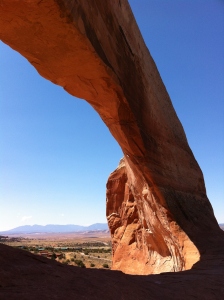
(159, 216)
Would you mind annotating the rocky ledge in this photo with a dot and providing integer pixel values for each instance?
(158, 212)
(27, 276)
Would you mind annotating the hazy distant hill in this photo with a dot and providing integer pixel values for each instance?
(51, 228)
(55, 228)
(222, 226)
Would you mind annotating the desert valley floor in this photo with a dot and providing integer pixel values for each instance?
(30, 276)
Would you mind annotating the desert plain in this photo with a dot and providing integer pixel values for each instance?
(83, 249)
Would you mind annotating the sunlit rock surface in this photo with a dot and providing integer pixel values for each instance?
(144, 241)
(158, 212)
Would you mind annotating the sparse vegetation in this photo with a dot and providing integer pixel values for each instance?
(75, 251)
(53, 256)
(80, 263)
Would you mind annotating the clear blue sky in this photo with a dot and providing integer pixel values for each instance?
(56, 154)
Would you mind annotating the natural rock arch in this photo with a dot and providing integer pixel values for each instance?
(158, 212)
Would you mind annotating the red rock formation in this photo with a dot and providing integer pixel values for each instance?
(27, 276)
(157, 209)
(145, 238)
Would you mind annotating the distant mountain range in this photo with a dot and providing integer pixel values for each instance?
(56, 228)
(51, 228)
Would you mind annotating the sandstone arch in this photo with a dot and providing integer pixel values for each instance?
(157, 208)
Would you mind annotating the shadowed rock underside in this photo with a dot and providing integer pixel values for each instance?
(26, 276)
(158, 212)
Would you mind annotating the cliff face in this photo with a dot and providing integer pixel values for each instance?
(158, 212)
(145, 237)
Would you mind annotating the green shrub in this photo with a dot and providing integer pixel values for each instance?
(80, 263)
(106, 266)
(53, 256)
(92, 265)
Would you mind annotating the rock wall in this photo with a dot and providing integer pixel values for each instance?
(157, 209)
(146, 239)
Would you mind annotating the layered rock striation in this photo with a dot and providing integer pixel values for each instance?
(145, 237)
(158, 212)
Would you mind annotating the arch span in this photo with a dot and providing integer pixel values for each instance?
(157, 209)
